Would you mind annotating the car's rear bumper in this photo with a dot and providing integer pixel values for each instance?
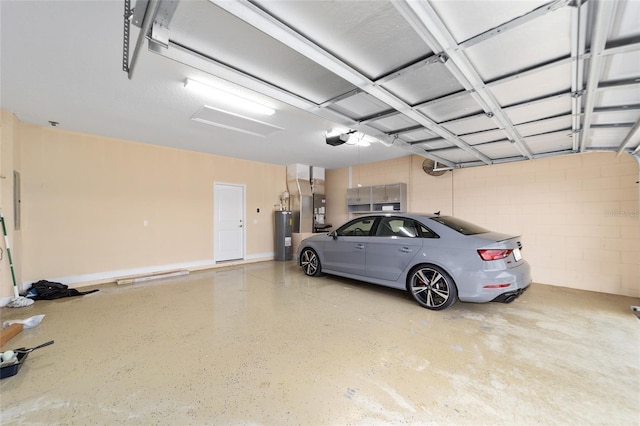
(483, 289)
(510, 296)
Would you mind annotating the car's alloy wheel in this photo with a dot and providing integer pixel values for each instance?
(432, 288)
(310, 262)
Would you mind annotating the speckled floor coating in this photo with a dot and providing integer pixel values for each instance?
(263, 344)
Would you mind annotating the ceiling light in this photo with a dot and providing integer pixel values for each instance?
(360, 139)
(228, 98)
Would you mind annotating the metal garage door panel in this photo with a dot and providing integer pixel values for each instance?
(550, 142)
(539, 110)
(483, 137)
(606, 137)
(418, 135)
(429, 82)
(466, 19)
(456, 155)
(622, 66)
(360, 105)
(451, 107)
(473, 124)
(627, 18)
(499, 150)
(357, 32)
(393, 123)
(536, 42)
(207, 29)
(616, 96)
(545, 126)
(615, 117)
(534, 85)
(434, 144)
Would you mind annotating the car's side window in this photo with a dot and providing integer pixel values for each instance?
(396, 227)
(426, 232)
(356, 228)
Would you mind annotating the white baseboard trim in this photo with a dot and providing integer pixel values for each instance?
(74, 281)
(261, 256)
(111, 276)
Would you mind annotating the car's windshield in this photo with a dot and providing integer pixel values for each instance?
(459, 225)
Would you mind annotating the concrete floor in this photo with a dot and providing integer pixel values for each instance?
(263, 344)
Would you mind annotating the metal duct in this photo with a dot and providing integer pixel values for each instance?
(317, 180)
(299, 187)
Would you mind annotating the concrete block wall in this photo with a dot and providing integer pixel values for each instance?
(579, 215)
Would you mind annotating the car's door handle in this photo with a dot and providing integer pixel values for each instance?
(406, 250)
(360, 246)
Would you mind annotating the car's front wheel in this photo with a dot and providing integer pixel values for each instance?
(432, 287)
(310, 262)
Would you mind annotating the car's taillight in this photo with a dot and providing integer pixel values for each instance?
(493, 254)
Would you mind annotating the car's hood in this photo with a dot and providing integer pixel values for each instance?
(318, 237)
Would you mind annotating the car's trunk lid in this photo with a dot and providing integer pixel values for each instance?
(496, 240)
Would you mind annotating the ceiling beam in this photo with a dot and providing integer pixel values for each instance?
(603, 11)
(578, 47)
(426, 22)
(633, 137)
(261, 20)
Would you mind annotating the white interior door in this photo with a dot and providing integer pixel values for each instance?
(228, 224)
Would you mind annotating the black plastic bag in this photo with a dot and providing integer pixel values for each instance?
(48, 290)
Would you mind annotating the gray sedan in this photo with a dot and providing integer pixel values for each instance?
(437, 259)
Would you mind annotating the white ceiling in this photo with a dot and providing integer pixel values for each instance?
(466, 83)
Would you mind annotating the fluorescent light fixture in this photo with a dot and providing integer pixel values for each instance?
(228, 97)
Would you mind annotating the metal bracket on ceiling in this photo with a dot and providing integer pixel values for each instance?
(128, 14)
(153, 17)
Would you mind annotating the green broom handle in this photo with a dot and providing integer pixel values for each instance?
(6, 243)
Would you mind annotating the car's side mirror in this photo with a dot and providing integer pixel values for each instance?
(334, 235)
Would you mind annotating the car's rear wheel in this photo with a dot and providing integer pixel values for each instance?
(432, 287)
(310, 262)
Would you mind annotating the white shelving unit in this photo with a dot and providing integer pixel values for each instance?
(377, 198)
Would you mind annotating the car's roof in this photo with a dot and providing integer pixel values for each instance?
(398, 214)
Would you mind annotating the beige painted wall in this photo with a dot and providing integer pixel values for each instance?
(85, 200)
(9, 161)
(578, 214)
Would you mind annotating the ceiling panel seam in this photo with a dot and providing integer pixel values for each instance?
(421, 63)
(515, 22)
(538, 100)
(629, 82)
